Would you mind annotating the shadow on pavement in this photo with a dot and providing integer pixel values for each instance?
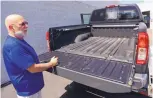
(76, 90)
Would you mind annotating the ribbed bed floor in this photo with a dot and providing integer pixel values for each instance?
(120, 49)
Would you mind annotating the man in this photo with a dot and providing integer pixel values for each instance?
(21, 60)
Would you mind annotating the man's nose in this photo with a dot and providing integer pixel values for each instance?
(26, 25)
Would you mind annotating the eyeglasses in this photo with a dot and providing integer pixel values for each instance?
(24, 23)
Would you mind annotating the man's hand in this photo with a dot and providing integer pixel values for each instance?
(43, 66)
(53, 62)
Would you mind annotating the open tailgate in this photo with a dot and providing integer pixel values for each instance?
(106, 75)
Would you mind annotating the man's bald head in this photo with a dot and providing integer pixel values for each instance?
(15, 23)
(12, 19)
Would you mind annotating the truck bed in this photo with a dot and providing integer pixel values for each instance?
(104, 63)
(114, 48)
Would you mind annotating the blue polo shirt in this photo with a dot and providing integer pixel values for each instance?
(18, 56)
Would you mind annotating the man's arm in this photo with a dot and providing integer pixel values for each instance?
(25, 61)
(43, 66)
(38, 67)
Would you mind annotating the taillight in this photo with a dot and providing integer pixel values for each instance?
(111, 6)
(142, 48)
(47, 35)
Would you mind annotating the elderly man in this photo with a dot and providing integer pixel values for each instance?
(21, 60)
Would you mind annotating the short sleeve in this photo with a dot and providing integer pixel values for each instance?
(21, 58)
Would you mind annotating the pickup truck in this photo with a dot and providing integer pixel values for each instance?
(110, 54)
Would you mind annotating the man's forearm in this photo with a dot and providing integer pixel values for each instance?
(39, 67)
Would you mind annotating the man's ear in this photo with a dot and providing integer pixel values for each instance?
(10, 27)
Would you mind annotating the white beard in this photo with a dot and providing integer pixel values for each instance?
(20, 34)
